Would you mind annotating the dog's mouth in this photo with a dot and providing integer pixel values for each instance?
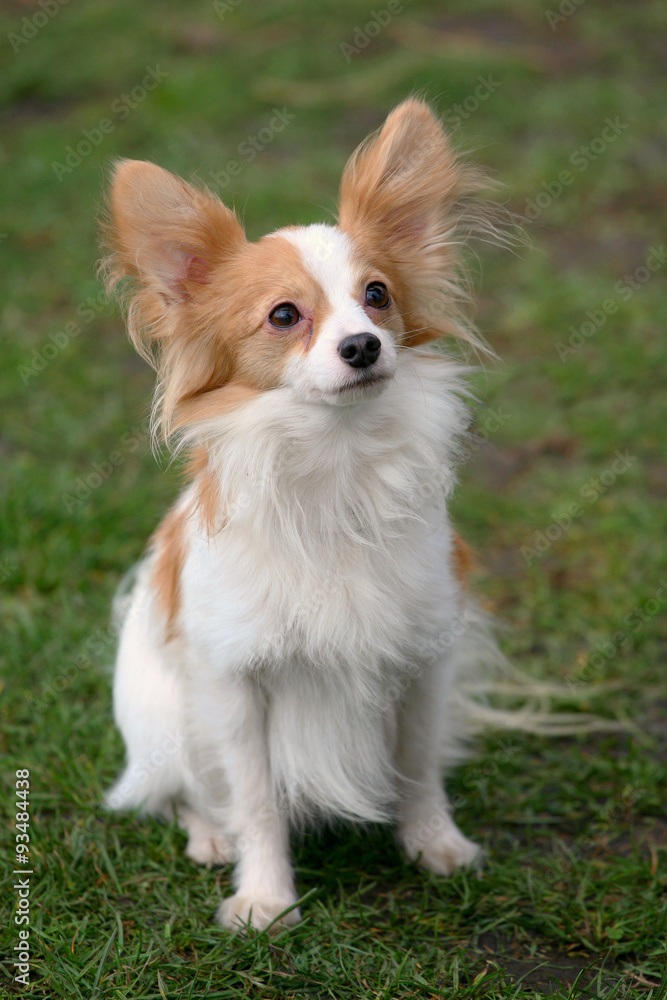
(363, 385)
(364, 382)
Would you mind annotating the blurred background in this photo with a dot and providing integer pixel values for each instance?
(563, 497)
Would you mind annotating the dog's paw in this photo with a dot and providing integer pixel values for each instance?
(449, 850)
(210, 849)
(440, 847)
(260, 912)
(207, 844)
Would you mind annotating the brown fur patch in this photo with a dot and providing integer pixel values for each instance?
(197, 462)
(463, 560)
(212, 403)
(207, 492)
(168, 542)
(259, 277)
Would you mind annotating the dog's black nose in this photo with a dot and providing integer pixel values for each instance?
(360, 350)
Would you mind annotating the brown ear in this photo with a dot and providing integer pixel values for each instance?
(165, 233)
(169, 237)
(404, 201)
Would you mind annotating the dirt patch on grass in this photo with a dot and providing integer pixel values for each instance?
(502, 38)
(547, 969)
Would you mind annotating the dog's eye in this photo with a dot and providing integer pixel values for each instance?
(284, 315)
(377, 295)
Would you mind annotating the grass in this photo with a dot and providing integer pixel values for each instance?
(572, 898)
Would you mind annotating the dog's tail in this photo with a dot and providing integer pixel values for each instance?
(490, 692)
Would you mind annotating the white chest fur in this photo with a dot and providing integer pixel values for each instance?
(335, 549)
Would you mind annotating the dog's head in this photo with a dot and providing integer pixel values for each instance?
(323, 310)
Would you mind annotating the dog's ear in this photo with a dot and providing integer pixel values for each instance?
(165, 233)
(169, 237)
(403, 198)
(398, 181)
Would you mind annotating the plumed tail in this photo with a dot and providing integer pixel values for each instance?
(489, 692)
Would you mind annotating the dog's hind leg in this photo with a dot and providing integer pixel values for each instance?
(206, 845)
(150, 713)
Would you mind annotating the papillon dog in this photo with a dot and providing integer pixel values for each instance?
(297, 641)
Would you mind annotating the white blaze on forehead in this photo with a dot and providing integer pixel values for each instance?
(327, 253)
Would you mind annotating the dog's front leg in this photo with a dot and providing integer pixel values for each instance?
(426, 828)
(259, 830)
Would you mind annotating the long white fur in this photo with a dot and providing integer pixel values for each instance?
(318, 658)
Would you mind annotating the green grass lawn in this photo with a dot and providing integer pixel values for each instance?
(564, 498)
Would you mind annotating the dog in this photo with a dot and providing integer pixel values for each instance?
(296, 644)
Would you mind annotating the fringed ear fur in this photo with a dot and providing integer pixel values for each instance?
(168, 237)
(409, 204)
